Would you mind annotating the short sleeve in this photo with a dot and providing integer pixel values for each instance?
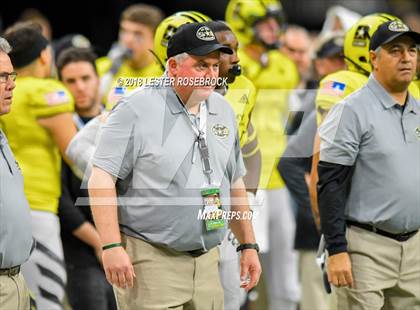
(50, 98)
(340, 135)
(115, 152)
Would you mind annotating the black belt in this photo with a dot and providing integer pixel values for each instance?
(399, 237)
(197, 253)
(10, 271)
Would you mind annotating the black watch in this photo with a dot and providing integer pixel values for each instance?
(245, 246)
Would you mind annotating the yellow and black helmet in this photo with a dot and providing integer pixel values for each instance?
(242, 15)
(357, 39)
(169, 26)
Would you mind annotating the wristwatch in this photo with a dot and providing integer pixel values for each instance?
(245, 246)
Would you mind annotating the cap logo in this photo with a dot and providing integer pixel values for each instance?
(204, 33)
(398, 26)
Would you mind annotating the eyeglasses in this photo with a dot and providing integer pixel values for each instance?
(4, 76)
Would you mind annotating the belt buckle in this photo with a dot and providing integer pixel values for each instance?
(401, 237)
(13, 271)
(197, 253)
(406, 236)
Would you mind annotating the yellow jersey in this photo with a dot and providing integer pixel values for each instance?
(241, 95)
(338, 85)
(125, 72)
(417, 83)
(32, 144)
(273, 83)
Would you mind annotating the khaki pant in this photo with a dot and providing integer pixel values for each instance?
(166, 279)
(386, 272)
(14, 294)
(314, 296)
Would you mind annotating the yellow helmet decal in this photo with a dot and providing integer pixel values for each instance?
(169, 26)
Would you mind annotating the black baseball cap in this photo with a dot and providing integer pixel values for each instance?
(390, 31)
(195, 39)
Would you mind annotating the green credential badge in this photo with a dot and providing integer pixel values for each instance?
(212, 209)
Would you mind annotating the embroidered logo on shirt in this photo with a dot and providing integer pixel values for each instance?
(220, 130)
(57, 97)
(417, 131)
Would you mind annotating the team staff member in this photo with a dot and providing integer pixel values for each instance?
(131, 56)
(241, 95)
(335, 87)
(39, 127)
(87, 287)
(15, 242)
(375, 261)
(144, 131)
(258, 25)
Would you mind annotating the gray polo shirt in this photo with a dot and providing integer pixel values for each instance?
(15, 218)
(381, 139)
(148, 144)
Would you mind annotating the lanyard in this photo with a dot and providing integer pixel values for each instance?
(201, 141)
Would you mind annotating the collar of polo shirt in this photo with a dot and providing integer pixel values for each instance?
(386, 99)
(175, 104)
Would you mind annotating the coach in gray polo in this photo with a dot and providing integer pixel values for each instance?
(370, 179)
(172, 152)
(15, 219)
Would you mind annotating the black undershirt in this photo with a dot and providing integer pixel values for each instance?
(333, 189)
